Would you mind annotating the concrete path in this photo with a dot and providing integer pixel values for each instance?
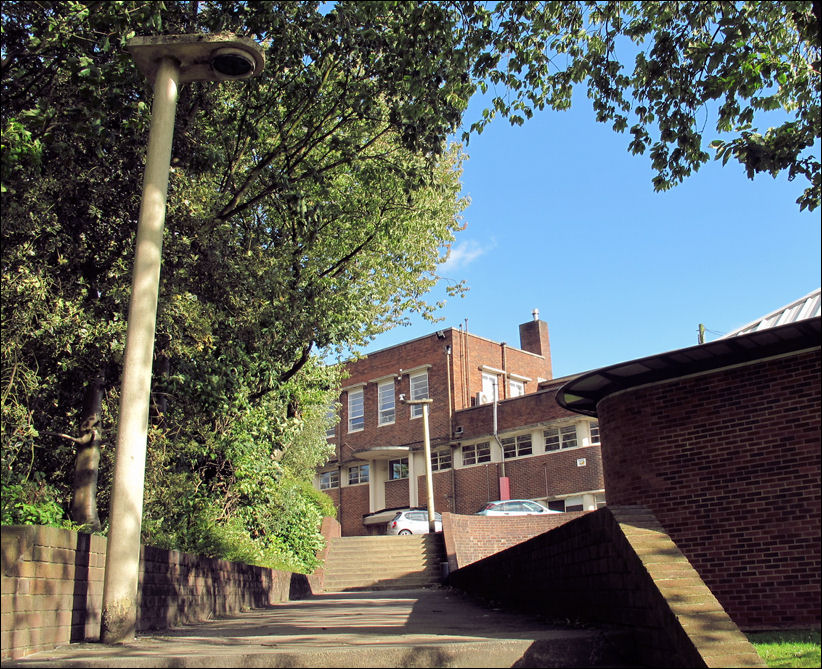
(402, 628)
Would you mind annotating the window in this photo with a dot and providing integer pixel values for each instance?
(476, 453)
(329, 479)
(331, 421)
(516, 388)
(358, 474)
(385, 395)
(489, 387)
(419, 391)
(560, 437)
(513, 447)
(594, 427)
(398, 469)
(356, 415)
(440, 460)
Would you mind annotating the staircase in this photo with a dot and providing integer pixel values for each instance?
(384, 562)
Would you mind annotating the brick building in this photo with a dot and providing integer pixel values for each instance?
(496, 430)
(722, 442)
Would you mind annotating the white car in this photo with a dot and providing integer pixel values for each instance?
(413, 521)
(515, 507)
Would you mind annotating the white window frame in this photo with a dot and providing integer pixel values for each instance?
(593, 430)
(358, 474)
(490, 386)
(417, 392)
(516, 447)
(565, 436)
(441, 460)
(356, 421)
(330, 479)
(516, 388)
(400, 462)
(387, 414)
(331, 417)
(475, 454)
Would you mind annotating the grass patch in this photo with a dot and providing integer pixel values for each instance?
(788, 648)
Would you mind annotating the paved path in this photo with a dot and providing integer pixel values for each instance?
(409, 628)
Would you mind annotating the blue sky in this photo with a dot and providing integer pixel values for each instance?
(564, 219)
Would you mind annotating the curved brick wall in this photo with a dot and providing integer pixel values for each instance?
(729, 462)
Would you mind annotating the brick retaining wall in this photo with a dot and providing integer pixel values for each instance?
(472, 538)
(52, 588)
(616, 566)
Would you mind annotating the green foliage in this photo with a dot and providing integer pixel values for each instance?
(308, 211)
(32, 503)
(661, 70)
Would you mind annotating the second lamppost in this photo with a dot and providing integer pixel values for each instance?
(429, 474)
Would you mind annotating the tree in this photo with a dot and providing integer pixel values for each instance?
(295, 202)
(735, 60)
(308, 209)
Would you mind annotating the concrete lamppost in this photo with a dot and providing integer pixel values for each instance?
(167, 60)
(429, 474)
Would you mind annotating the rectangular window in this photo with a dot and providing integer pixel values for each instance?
(594, 427)
(385, 395)
(476, 453)
(516, 388)
(356, 411)
(419, 391)
(331, 421)
(489, 388)
(398, 469)
(440, 460)
(513, 447)
(560, 437)
(358, 474)
(329, 479)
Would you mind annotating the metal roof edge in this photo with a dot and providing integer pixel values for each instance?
(582, 394)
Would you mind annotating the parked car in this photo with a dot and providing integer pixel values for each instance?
(514, 507)
(413, 521)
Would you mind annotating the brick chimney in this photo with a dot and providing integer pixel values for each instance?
(533, 337)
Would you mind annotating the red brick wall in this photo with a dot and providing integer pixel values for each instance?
(472, 538)
(528, 475)
(443, 492)
(396, 493)
(618, 567)
(511, 414)
(52, 588)
(352, 508)
(729, 462)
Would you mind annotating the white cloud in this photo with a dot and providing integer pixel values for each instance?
(462, 255)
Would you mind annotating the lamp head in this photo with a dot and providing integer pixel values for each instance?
(201, 57)
(230, 63)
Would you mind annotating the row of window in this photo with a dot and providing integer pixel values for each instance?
(386, 402)
(556, 438)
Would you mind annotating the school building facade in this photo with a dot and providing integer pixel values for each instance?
(495, 431)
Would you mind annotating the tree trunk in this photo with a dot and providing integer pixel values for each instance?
(87, 462)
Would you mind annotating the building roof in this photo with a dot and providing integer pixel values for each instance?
(804, 307)
(794, 327)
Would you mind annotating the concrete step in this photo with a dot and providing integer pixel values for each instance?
(383, 562)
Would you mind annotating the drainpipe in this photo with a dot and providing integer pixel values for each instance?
(496, 433)
(504, 351)
(467, 363)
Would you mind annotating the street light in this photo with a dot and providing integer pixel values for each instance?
(429, 474)
(167, 60)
